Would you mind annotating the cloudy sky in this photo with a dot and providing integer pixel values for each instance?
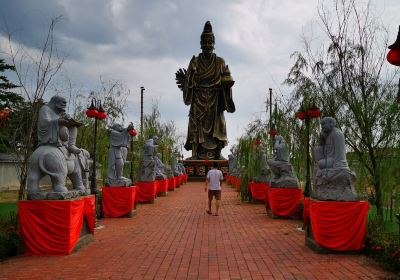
(143, 43)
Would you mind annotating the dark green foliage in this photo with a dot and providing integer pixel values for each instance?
(7, 97)
(10, 241)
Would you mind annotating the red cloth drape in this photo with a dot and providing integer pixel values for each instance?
(171, 184)
(306, 210)
(284, 202)
(259, 190)
(231, 180)
(90, 211)
(186, 177)
(339, 225)
(162, 186)
(146, 191)
(118, 201)
(177, 181)
(53, 227)
(237, 183)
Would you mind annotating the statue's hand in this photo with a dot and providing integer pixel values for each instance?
(180, 77)
(130, 127)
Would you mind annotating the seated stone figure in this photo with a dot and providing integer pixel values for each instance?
(333, 179)
(160, 168)
(148, 164)
(264, 169)
(174, 165)
(232, 163)
(117, 153)
(57, 155)
(283, 174)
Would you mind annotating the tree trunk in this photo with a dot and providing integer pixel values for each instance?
(378, 194)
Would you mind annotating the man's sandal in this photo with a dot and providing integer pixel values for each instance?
(208, 212)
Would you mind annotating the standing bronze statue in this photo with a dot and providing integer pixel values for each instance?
(206, 86)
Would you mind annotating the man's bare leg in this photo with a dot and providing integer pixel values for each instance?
(216, 207)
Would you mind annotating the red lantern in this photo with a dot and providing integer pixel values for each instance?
(273, 132)
(301, 115)
(393, 57)
(257, 142)
(102, 115)
(132, 132)
(314, 112)
(92, 113)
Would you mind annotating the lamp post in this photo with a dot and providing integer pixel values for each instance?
(307, 113)
(393, 57)
(133, 133)
(141, 110)
(95, 111)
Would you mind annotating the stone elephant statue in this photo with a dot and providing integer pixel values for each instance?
(58, 163)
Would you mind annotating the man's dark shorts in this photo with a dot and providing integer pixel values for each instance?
(216, 193)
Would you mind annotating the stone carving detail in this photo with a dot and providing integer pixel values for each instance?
(206, 86)
(57, 155)
(174, 165)
(283, 173)
(160, 168)
(333, 179)
(148, 164)
(117, 153)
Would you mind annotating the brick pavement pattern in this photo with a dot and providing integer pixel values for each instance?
(175, 239)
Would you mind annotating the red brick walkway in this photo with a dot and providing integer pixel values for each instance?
(175, 239)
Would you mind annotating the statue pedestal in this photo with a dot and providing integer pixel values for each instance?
(258, 191)
(336, 226)
(56, 227)
(231, 180)
(284, 202)
(177, 181)
(162, 187)
(197, 169)
(237, 183)
(119, 202)
(171, 184)
(146, 191)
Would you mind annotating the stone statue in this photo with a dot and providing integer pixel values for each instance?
(160, 168)
(148, 165)
(117, 153)
(333, 179)
(232, 163)
(283, 173)
(174, 165)
(206, 86)
(57, 154)
(264, 169)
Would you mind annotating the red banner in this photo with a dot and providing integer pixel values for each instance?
(339, 225)
(162, 186)
(53, 227)
(146, 191)
(259, 190)
(284, 202)
(118, 201)
(171, 184)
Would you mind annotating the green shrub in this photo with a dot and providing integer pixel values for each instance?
(10, 241)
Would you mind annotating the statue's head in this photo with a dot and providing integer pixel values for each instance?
(327, 124)
(279, 139)
(155, 140)
(58, 104)
(207, 39)
(117, 127)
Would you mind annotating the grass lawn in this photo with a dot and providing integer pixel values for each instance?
(6, 208)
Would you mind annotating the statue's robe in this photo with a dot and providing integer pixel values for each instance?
(209, 98)
(334, 150)
(118, 150)
(48, 127)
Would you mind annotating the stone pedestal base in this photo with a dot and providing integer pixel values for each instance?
(56, 228)
(119, 201)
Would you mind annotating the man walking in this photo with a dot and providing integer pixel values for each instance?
(213, 182)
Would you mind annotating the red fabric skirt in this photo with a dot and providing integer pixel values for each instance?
(238, 183)
(118, 201)
(177, 181)
(171, 184)
(146, 191)
(339, 225)
(259, 190)
(162, 186)
(284, 202)
(231, 180)
(53, 227)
